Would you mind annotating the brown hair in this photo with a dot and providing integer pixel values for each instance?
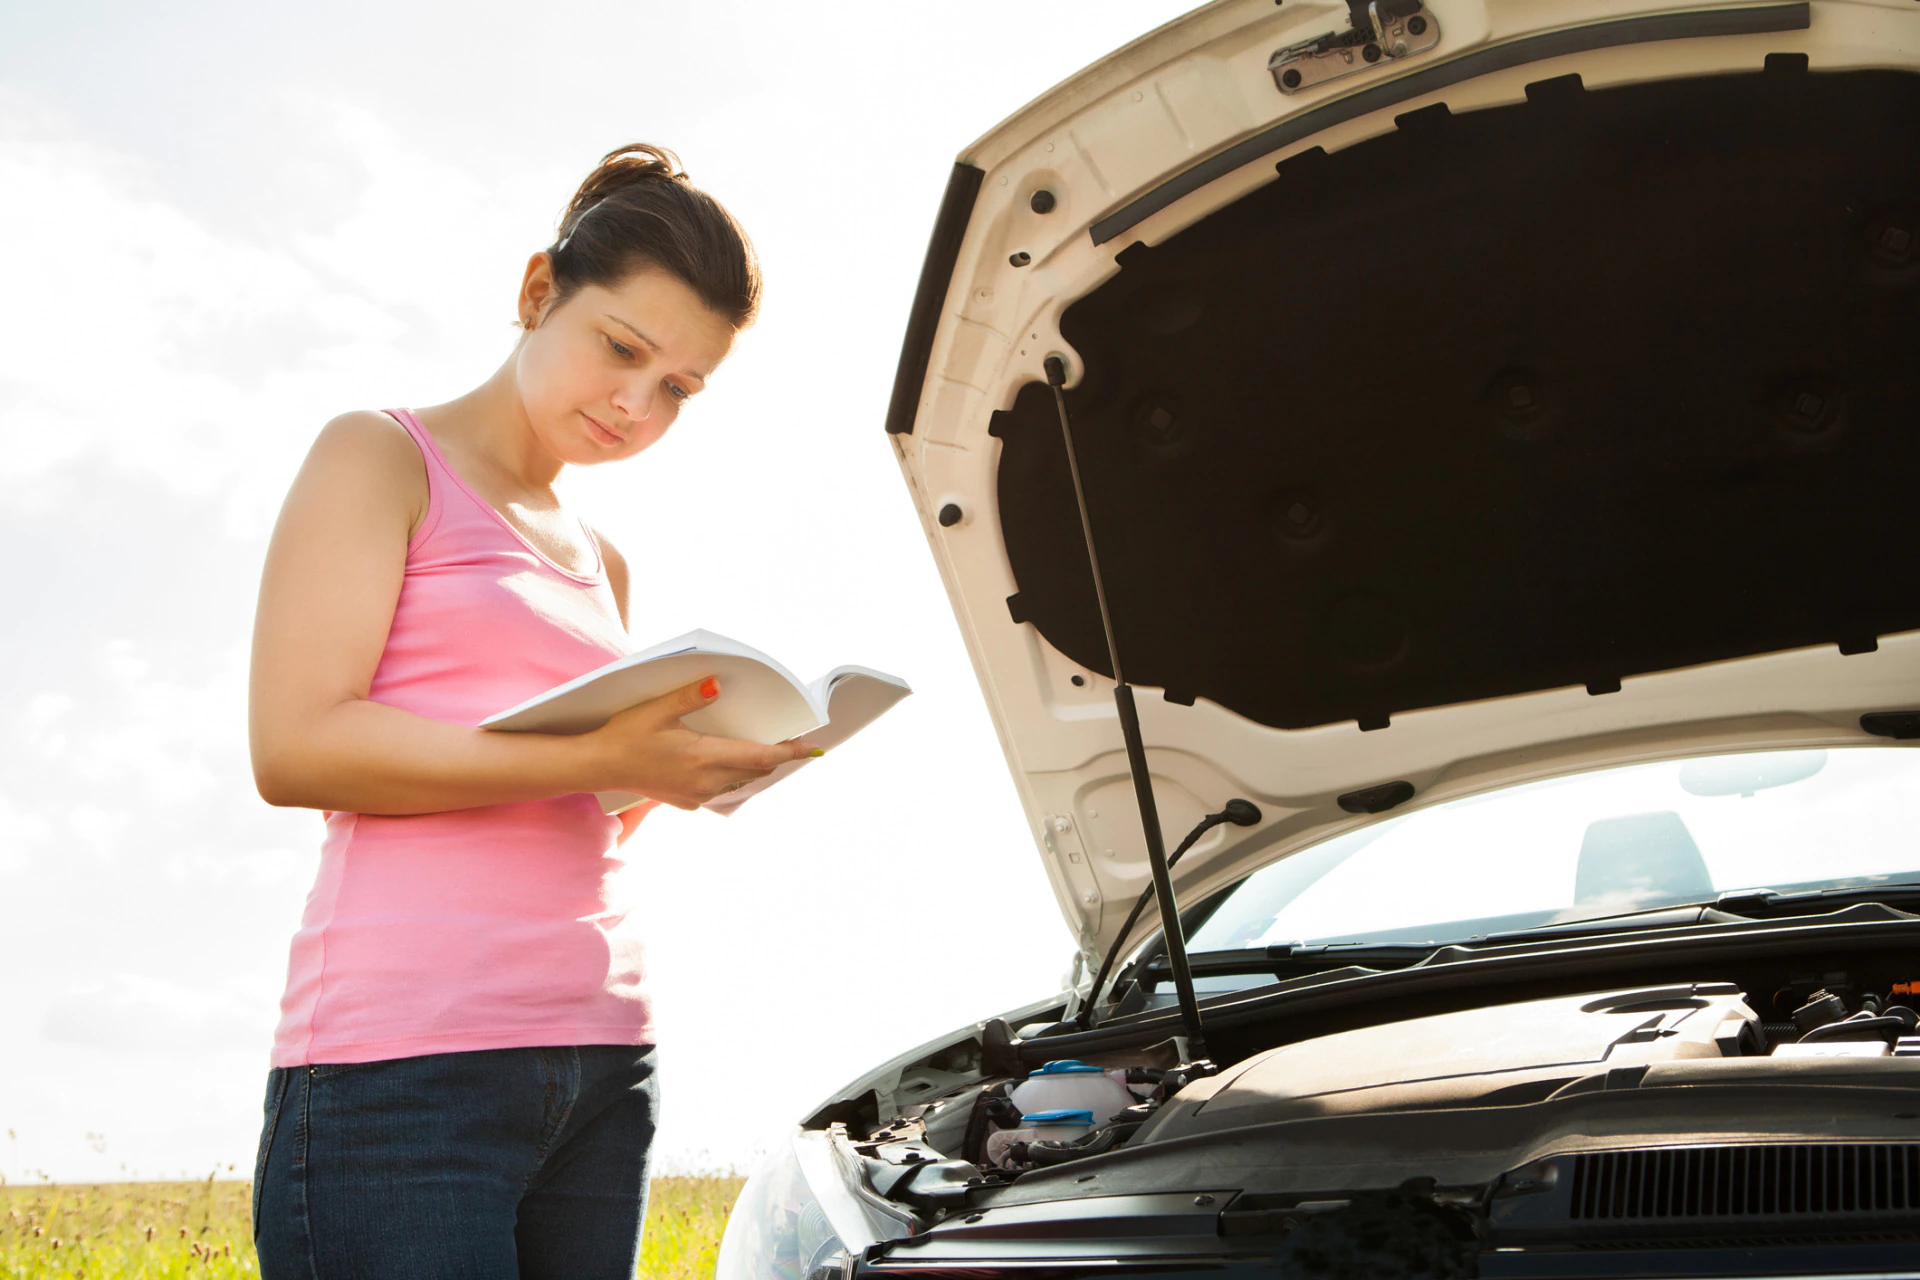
(637, 210)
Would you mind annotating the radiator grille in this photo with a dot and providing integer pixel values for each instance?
(1771, 1180)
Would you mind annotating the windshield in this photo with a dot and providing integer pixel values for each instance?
(1596, 844)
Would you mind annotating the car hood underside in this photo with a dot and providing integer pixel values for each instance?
(1557, 393)
(1562, 416)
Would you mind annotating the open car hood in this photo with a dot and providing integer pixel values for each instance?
(1542, 394)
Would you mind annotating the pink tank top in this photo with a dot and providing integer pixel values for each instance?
(482, 928)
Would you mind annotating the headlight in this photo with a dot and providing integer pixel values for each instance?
(803, 1214)
(777, 1230)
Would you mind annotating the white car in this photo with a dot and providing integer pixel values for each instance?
(1488, 433)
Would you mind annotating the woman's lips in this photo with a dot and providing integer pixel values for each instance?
(602, 432)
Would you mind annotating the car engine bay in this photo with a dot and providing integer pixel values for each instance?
(1782, 1107)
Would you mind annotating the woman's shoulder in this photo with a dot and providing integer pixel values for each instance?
(366, 439)
(371, 451)
(368, 434)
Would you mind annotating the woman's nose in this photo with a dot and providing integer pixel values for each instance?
(635, 403)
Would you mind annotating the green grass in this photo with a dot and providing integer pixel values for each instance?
(173, 1230)
(685, 1217)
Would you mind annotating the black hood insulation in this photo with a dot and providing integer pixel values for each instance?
(1552, 394)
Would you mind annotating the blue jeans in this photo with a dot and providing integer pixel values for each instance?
(492, 1164)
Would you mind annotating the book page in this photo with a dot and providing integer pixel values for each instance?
(854, 697)
(760, 700)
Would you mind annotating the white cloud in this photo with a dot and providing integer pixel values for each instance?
(38, 721)
(196, 361)
(130, 737)
(100, 829)
(22, 833)
(157, 1013)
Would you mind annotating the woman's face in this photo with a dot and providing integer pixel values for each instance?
(603, 374)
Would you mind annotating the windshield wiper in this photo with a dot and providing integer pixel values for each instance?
(1286, 960)
(1742, 907)
(1652, 918)
(1799, 902)
(1306, 957)
(1291, 959)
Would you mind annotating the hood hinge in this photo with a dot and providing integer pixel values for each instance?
(1382, 31)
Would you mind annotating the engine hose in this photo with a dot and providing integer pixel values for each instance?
(1888, 1028)
(1094, 1144)
(991, 1109)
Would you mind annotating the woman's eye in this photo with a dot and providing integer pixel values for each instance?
(677, 391)
(621, 349)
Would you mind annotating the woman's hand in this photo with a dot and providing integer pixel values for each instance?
(647, 750)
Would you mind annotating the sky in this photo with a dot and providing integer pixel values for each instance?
(225, 223)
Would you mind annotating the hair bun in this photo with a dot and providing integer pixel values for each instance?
(620, 168)
(637, 209)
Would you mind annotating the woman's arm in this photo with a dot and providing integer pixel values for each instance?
(327, 595)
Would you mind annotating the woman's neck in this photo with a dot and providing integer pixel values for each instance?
(489, 424)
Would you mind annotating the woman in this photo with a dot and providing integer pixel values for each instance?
(463, 1075)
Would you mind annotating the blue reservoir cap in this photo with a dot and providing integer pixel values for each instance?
(1067, 1067)
(1058, 1117)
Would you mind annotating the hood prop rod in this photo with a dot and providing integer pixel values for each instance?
(1241, 813)
(1176, 941)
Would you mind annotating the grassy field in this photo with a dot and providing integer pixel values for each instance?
(118, 1231)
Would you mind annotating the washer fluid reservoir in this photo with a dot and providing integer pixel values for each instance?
(1068, 1085)
(1063, 1125)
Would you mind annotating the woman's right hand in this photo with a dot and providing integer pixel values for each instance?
(648, 751)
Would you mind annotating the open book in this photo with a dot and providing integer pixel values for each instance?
(760, 701)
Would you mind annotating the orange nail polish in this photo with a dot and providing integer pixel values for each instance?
(709, 688)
